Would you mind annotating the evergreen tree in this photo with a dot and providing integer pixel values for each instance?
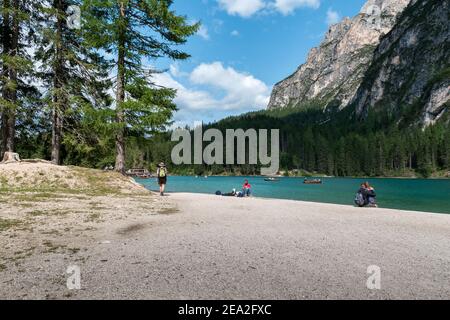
(446, 150)
(15, 36)
(133, 30)
(322, 154)
(71, 70)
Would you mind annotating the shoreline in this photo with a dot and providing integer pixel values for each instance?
(307, 177)
(305, 203)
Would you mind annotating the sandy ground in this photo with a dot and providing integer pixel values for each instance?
(208, 247)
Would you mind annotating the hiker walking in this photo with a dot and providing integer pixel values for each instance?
(162, 177)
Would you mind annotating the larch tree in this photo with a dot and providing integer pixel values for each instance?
(135, 33)
(73, 73)
(16, 38)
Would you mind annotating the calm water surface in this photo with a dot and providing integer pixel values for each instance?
(405, 194)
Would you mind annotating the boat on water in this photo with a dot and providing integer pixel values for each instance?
(139, 173)
(271, 179)
(313, 181)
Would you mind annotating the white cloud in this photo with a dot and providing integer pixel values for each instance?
(247, 8)
(186, 98)
(289, 6)
(333, 17)
(241, 90)
(212, 91)
(203, 32)
(174, 70)
(217, 25)
(235, 33)
(243, 8)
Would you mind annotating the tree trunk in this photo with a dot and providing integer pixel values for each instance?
(9, 92)
(11, 121)
(57, 127)
(58, 86)
(6, 44)
(10, 157)
(120, 94)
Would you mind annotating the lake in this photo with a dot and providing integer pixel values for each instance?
(404, 194)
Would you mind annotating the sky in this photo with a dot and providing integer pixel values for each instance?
(242, 49)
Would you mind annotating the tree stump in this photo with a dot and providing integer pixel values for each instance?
(9, 157)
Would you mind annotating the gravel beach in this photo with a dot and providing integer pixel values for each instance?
(208, 247)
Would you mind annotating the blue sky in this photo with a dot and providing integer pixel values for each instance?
(243, 48)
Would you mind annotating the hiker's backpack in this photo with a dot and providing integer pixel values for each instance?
(162, 172)
(359, 200)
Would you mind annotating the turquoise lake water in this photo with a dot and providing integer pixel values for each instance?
(404, 194)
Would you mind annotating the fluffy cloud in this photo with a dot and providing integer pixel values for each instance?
(235, 33)
(332, 17)
(247, 8)
(203, 32)
(243, 8)
(186, 98)
(289, 6)
(214, 90)
(241, 90)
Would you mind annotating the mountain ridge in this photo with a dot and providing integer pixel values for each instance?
(334, 70)
(410, 72)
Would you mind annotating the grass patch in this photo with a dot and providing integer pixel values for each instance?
(20, 255)
(6, 224)
(168, 211)
(52, 233)
(74, 250)
(51, 247)
(93, 217)
(26, 205)
(53, 212)
(37, 213)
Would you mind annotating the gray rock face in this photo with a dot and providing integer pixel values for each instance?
(410, 72)
(334, 70)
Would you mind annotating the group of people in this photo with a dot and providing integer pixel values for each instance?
(246, 191)
(162, 173)
(366, 196)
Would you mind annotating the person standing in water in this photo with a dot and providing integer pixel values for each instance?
(161, 173)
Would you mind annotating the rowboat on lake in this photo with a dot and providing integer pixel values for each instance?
(271, 179)
(312, 181)
(139, 173)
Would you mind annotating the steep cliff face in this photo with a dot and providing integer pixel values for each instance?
(334, 71)
(410, 73)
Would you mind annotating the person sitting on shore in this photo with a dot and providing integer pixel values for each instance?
(231, 194)
(247, 189)
(370, 195)
(361, 196)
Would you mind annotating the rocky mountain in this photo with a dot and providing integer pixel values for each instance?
(410, 72)
(334, 71)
